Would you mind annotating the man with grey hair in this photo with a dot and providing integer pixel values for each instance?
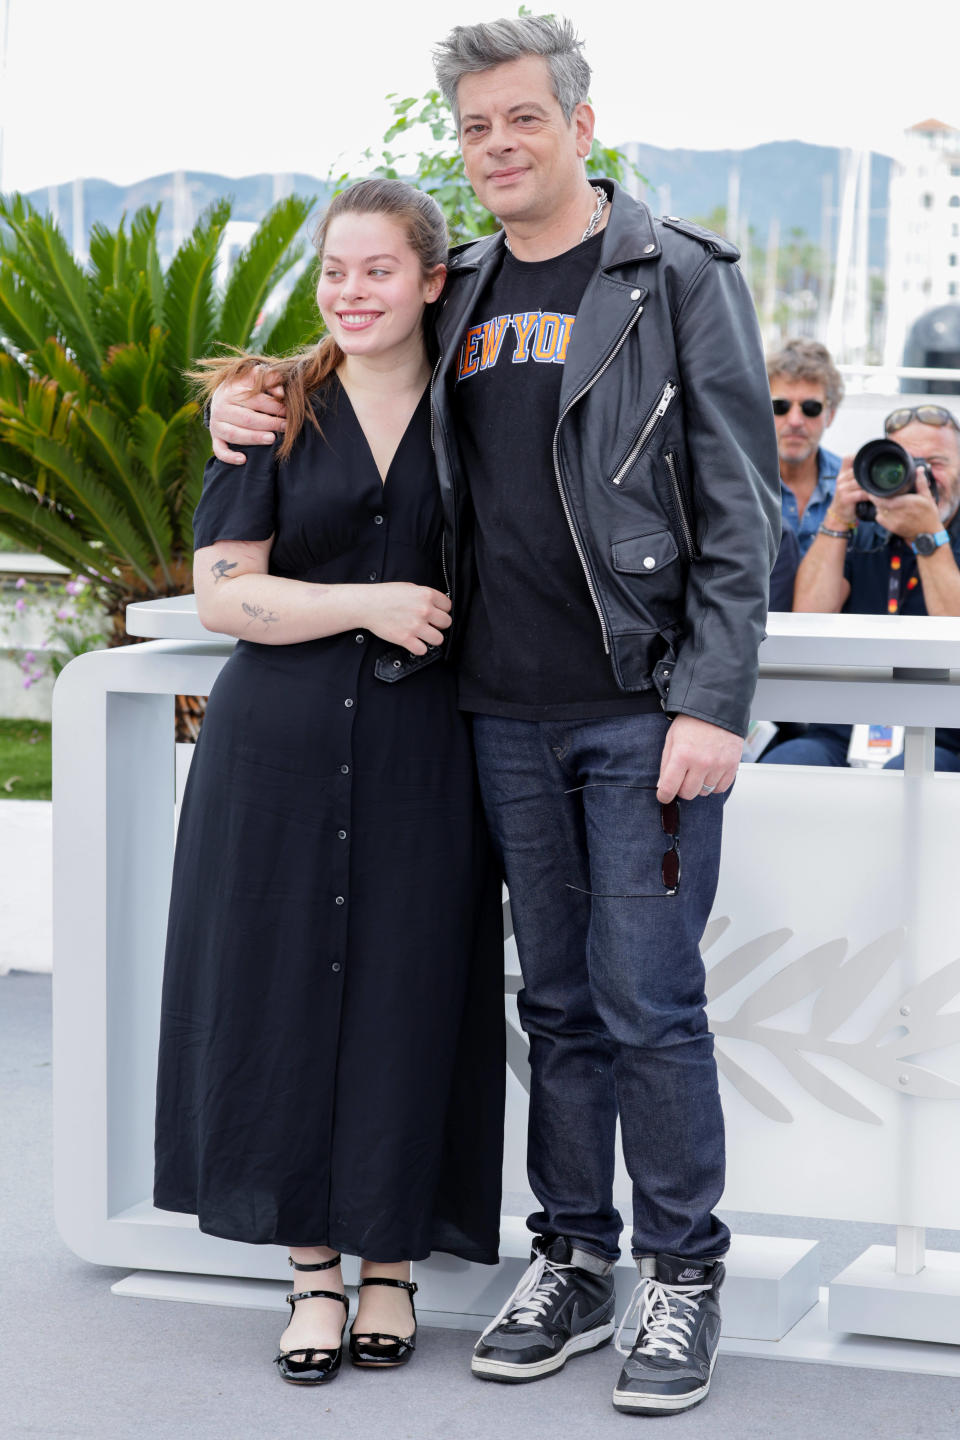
(806, 388)
(607, 465)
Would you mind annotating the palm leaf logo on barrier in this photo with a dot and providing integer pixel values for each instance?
(915, 1025)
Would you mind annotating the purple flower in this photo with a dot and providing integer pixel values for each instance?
(21, 584)
(65, 613)
(27, 683)
(72, 587)
(28, 657)
(20, 606)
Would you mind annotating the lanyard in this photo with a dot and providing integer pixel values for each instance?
(894, 582)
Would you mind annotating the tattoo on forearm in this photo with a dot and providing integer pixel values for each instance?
(259, 612)
(220, 569)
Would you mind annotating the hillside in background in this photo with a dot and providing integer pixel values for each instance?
(784, 178)
(252, 196)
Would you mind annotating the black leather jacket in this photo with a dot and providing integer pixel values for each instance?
(664, 454)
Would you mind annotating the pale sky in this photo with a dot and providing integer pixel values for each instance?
(124, 89)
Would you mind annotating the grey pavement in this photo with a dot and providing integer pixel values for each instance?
(78, 1362)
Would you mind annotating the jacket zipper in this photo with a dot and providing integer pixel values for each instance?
(649, 425)
(687, 534)
(556, 470)
(433, 447)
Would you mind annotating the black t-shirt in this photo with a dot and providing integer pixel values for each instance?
(533, 646)
(883, 572)
(885, 580)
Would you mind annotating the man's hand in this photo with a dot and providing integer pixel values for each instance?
(698, 758)
(244, 417)
(843, 507)
(911, 515)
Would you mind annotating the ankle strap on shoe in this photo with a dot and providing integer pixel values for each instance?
(317, 1295)
(383, 1280)
(324, 1264)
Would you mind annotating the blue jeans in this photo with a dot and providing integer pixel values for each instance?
(613, 982)
(827, 745)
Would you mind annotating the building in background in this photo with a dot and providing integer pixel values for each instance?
(923, 252)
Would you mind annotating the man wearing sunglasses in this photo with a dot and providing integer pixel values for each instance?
(806, 389)
(906, 562)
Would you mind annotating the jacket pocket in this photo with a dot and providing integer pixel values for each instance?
(645, 433)
(679, 503)
(647, 575)
(644, 554)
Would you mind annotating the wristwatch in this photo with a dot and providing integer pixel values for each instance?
(926, 543)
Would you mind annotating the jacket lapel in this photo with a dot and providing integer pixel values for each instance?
(606, 310)
(469, 271)
(613, 295)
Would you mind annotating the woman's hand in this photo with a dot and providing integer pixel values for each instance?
(413, 616)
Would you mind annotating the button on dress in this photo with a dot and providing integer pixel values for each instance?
(331, 1066)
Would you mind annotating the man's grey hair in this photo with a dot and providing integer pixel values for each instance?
(469, 49)
(808, 360)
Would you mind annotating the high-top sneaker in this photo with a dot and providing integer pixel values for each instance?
(558, 1309)
(678, 1331)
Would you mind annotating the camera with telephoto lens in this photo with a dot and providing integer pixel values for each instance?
(883, 468)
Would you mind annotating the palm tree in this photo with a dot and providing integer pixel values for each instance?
(101, 445)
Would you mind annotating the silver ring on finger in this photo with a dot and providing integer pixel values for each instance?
(707, 789)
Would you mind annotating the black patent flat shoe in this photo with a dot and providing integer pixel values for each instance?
(380, 1352)
(309, 1365)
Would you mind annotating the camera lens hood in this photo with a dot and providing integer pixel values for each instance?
(883, 468)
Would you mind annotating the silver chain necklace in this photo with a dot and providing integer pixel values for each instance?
(602, 203)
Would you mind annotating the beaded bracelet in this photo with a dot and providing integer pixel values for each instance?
(834, 534)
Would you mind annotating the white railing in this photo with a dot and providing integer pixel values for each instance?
(831, 974)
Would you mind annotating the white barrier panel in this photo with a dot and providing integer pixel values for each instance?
(834, 986)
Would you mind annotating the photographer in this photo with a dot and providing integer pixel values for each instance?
(905, 562)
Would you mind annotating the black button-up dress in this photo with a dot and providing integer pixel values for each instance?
(331, 1066)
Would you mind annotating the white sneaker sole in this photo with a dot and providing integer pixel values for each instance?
(662, 1404)
(577, 1345)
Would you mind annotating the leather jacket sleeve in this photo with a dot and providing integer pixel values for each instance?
(731, 445)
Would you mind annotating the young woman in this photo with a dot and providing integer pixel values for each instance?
(331, 1067)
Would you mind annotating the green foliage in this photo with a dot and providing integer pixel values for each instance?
(422, 146)
(101, 446)
(25, 760)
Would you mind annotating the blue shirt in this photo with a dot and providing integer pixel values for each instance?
(806, 526)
